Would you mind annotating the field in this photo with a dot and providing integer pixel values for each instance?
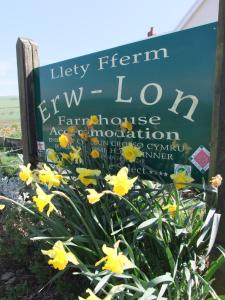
(9, 115)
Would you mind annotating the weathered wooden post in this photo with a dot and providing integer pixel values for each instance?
(217, 165)
(27, 60)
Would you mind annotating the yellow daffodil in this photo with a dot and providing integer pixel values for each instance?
(83, 135)
(216, 181)
(84, 173)
(2, 206)
(95, 153)
(71, 129)
(75, 155)
(52, 155)
(93, 297)
(181, 179)
(65, 140)
(126, 125)
(93, 120)
(59, 257)
(49, 177)
(26, 174)
(115, 262)
(65, 156)
(94, 140)
(42, 200)
(171, 208)
(120, 182)
(131, 152)
(94, 196)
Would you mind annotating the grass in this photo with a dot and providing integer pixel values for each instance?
(9, 111)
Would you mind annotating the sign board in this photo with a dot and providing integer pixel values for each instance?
(163, 85)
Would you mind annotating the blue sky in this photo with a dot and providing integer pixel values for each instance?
(70, 28)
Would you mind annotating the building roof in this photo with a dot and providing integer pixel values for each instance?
(195, 10)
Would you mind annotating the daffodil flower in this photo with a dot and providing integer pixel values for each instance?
(94, 196)
(126, 125)
(71, 129)
(42, 200)
(65, 140)
(171, 208)
(26, 174)
(95, 153)
(2, 206)
(94, 140)
(120, 182)
(59, 257)
(75, 155)
(52, 155)
(83, 135)
(93, 120)
(131, 152)
(84, 173)
(114, 262)
(181, 179)
(49, 177)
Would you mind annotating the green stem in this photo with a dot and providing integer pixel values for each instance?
(134, 208)
(18, 204)
(86, 225)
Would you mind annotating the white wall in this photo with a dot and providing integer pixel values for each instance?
(202, 12)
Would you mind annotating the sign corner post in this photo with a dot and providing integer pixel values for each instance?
(27, 60)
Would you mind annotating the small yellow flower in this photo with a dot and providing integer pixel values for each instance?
(65, 156)
(93, 120)
(49, 177)
(115, 262)
(93, 297)
(84, 173)
(94, 140)
(26, 174)
(121, 183)
(126, 125)
(94, 196)
(2, 206)
(83, 135)
(52, 155)
(59, 257)
(181, 179)
(65, 140)
(95, 153)
(75, 155)
(216, 181)
(71, 129)
(171, 208)
(42, 200)
(131, 152)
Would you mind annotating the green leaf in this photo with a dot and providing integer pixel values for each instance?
(160, 279)
(215, 265)
(147, 223)
(170, 259)
(215, 226)
(102, 283)
(206, 226)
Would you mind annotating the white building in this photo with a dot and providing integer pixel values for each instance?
(202, 12)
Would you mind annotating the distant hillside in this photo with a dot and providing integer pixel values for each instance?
(9, 110)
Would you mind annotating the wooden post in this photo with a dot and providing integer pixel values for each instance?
(217, 164)
(27, 60)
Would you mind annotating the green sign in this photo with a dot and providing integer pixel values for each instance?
(163, 85)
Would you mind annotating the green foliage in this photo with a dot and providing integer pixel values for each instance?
(165, 234)
(9, 164)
